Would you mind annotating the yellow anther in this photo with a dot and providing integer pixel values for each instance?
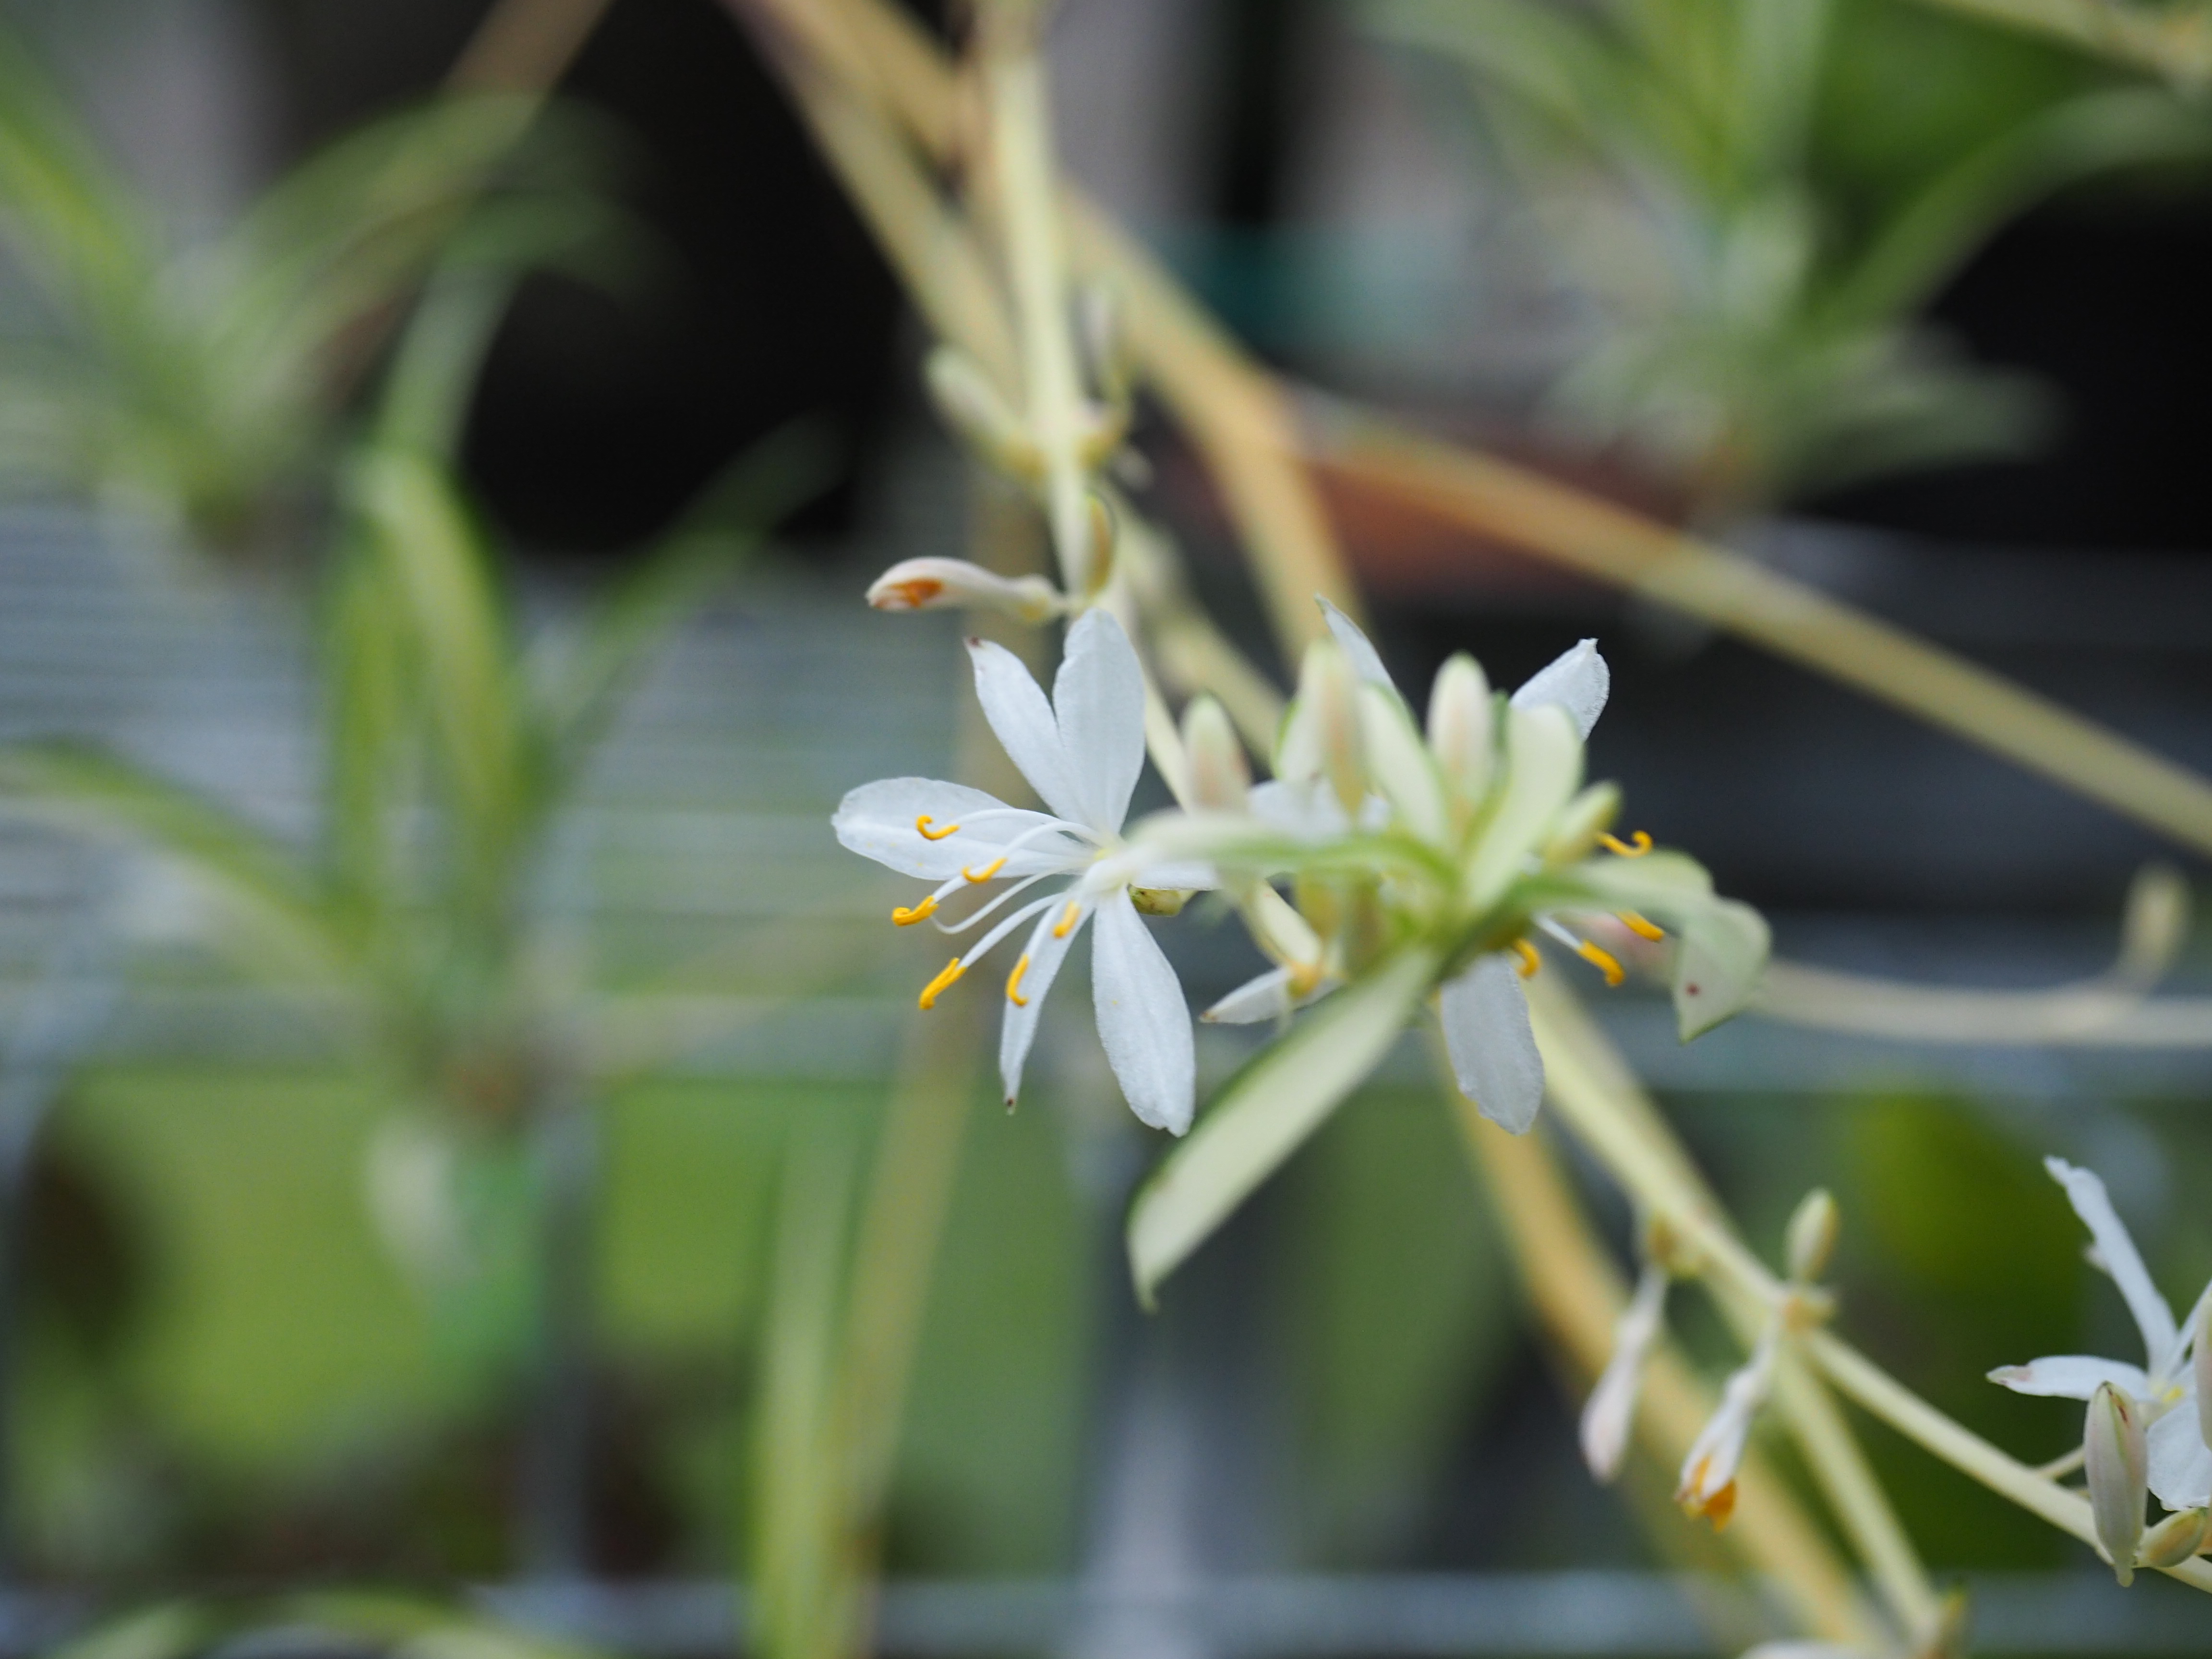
(1604, 961)
(923, 822)
(903, 917)
(1613, 844)
(953, 969)
(1304, 976)
(1642, 929)
(1014, 984)
(987, 870)
(1065, 925)
(1529, 963)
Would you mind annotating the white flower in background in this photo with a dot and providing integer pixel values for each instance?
(1610, 1412)
(2173, 1395)
(1707, 1487)
(957, 585)
(1500, 846)
(1082, 753)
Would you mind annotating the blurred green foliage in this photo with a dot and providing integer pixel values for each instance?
(208, 382)
(1757, 199)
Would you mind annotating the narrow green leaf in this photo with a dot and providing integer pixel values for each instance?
(87, 789)
(1266, 1110)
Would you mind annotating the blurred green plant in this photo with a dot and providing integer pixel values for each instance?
(420, 918)
(208, 383)
(399, 1626)
(1755, 298)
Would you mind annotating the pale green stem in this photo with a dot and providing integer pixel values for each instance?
(1021, 152)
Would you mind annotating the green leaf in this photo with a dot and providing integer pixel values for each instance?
(280, 910)
(1266, 1110)
(420, 535)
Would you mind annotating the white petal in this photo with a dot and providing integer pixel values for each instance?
(1307, 810)
(1142, 1018)
(1400, 764)
(1577, 680)
(1100, 699)
(2071, 1376)
(2120, 1258)
(1268, 997)
(1047, 948)
(1609, 1414)
(1358, 650)
(877, 821)
(2180, 1464)
(1023, 723)
(1185, 875)
(1543, 770)
(1494, 1051)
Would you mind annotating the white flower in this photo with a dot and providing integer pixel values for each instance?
(1512, 830)
(1082, 754)
(2166, 1385)
(1709, 1471)
(1610, 1412)
(933, 584)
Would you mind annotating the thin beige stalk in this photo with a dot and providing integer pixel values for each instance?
(525, 46)
(1525, 510)
(1020, 127)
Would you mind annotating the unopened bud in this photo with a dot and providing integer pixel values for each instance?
(1219, 778)
(1159, 900)
(2174, 1539)
(1461, 726)
(1585, 817)
(1610, 1412)
(975, 411)
(2112, 1439)
(955, 584)
(1812, 1236)
(1709, 1471)
(2203, 1367)
(1328, 699)
(1101, 327)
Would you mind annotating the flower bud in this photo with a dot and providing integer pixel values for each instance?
(2112, 1438)
(1102, 327)
(955, 584)
(1708, 1483)
(1462, 724)
(1812, 1236)
(1328, 700)
(1610, 1412)
(1584, 819)
(979, 416)
(2203, 1368)
(1219, 778)
(2174, 1539)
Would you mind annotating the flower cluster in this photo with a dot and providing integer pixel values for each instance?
(2148, 1427)
(1435, 860)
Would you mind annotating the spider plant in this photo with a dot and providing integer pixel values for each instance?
(1758, 329)
(454, 748)
(206, 381)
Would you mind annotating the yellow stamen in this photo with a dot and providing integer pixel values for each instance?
(1065, 925)
(1304, 976)
(953, 969)
(1605, 962)
(903, 917)
(1637, 926)
(1613, 844)
(987, 870)
(1716, 1508)
(923, 822)
(1014, 984)
(1530, 962)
